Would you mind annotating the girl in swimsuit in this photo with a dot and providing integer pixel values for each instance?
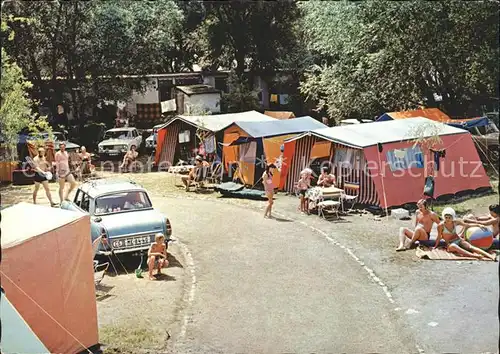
(157, 253)
(447, 230)
(267, 180)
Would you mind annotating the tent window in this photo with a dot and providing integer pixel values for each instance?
(184, 136)
(321, 149)
(403, 159)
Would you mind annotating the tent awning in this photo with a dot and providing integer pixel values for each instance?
(364, 135)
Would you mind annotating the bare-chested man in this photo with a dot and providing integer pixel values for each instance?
(41, 166)
(423, 226)
(492, 220)
(63, 172)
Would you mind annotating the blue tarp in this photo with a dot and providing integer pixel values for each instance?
(278, 127)
(467, 124)
(479, 122)
(17, 336)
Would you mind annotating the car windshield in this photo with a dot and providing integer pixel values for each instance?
(117, 134)
(122, 201)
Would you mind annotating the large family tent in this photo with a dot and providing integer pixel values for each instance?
(252, 145)
(48, 275)
(180, 136)
(436, 115)
(390, 161)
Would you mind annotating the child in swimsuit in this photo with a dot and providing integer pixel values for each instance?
(447, 230)
(157, 253)
(303, 185)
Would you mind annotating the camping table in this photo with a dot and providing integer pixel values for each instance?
(322, 193)
(179, 171)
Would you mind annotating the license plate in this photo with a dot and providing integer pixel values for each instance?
(132, 242)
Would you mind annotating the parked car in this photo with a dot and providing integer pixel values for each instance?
(117, 141)
(58, 138)
(123, 211)
(486, 141)
(352, 121)
(151, 140)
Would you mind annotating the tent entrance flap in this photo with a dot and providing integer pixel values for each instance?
(248, 154)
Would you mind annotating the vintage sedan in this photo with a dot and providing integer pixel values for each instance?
(117, 141)
(123, 211)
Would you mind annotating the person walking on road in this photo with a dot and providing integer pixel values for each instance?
(42, 175)
(63, 172)
(267, 180)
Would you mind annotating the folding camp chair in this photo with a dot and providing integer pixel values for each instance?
(350, 186)
(99, 268)
(328, 207)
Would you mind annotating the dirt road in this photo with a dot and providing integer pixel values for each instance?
(270, 286)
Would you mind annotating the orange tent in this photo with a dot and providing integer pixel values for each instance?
(429, 113)
(48, 275)
(280, 114)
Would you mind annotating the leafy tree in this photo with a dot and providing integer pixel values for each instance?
(249, 35)
(377, 56)
(15, 104)
(240, 97)
(83, 48)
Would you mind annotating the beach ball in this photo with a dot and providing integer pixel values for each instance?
(479, 237)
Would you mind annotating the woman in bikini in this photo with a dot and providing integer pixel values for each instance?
(157, 253)
(447, 230)
(267, 180)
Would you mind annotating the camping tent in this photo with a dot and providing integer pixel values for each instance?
(177, 138)
(387, 163)
(48, 275)
(436, 115)
(280, 114)
(256, 144)
(17, 336)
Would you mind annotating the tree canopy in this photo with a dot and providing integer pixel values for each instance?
(377, 56)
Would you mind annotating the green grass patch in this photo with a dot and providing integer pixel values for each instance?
(462, 207)
(123, 339)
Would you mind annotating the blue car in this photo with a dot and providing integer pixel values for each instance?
(123, 211)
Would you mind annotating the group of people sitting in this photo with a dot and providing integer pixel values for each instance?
(447, 230)
(326, 179)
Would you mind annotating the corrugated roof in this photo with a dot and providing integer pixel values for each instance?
(364, 135)
(42, 220)
(217, 122)
(280, 127)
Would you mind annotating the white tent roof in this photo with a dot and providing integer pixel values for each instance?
(218, 122)
(23, 221)
(368, 134)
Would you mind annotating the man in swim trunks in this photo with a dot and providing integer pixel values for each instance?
(63, 172)
(423, 226)
(492, 219)
(41, 167)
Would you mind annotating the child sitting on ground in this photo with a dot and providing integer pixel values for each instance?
(157, 253)
(303, 185)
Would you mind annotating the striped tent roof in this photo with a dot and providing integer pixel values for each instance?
(217, 122)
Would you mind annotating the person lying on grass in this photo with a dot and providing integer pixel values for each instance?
(423, 226)
(447, 230)
(492, 219)
(157, 253)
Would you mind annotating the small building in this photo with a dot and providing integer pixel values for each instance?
(197, 99)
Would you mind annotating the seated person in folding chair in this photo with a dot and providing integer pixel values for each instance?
(157, 254)
(196, 174)
(326, 179)
(129, 158)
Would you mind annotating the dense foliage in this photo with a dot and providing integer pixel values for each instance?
(377, 56)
